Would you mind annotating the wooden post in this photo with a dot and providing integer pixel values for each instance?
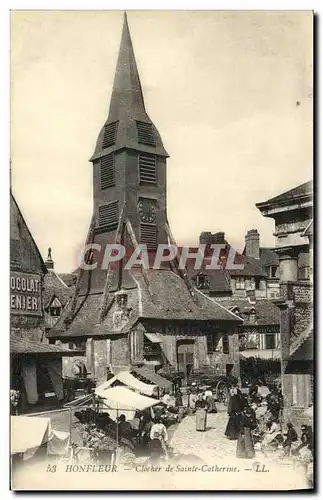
(89, 239)
(135, 244)
(110, 273)
(70, 423)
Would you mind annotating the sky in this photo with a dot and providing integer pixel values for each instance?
(229, 91)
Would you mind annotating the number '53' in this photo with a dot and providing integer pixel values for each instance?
(51, 468)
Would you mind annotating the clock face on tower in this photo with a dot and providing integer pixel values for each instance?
(147, 210)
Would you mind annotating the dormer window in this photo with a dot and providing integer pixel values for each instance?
(122, 299)
(55, 311)
(240, 282)
(273, 271)
(201, 281)
(252, 315)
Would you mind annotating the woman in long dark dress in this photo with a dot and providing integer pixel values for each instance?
(235, 409)
(248, 422)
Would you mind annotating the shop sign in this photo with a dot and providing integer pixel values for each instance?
(25, 294)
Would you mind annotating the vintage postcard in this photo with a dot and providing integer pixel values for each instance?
(161, 250)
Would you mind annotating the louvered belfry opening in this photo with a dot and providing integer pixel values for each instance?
(145, 133)
(147, 169)
(109, 214)
(110, 134)
(107, 171)
(148, 235)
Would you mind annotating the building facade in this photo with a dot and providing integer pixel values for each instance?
(36, 366)
(132, 317)
(249, 293)
(292, 212)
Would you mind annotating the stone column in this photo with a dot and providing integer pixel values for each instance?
(288, 266)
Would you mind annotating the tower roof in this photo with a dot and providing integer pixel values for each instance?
(127, 106)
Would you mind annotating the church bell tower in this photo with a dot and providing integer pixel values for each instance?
(129, 161)
(129, 168)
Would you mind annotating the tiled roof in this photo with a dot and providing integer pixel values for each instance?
(302, 347)
(268, 257)
(68, 278)
(20, 345)
(169, 300)
(55, 286)
(267, 313)
(251, 267)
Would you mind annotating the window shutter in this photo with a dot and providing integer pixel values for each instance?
(110, 134)
(225, 343)
(145, 133)
(148, 236)
(108, 214)
(107, 171)
(147, 169)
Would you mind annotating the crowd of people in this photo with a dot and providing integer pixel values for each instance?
(255, 421)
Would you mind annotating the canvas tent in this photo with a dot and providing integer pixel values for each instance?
(153, 377)
(121, 400)
(130, 381)
(28, 434)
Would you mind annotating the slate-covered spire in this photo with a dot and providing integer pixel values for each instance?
(127, 97)
(127, 105)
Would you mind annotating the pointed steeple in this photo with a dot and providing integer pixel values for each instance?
(127, 106)
(127, 97)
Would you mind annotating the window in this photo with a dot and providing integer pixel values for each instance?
(107, 171)
(213, 341)
(110, 134)
(225, 343)
(108, 214)
(273, 271)
(240, 283)
(252, 316)
(80, 345)
(202, 281)
(257, 282)
(148, 236)
(55, 311)
(270, 341)
(147, 169)
(145, 133)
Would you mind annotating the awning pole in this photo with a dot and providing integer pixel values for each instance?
(117, 434)
(70, 423)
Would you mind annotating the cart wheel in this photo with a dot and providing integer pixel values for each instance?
(222, 393)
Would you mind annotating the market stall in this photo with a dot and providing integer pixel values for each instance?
(121, 400)
(125, 378)
(152, 377)
(29, 434)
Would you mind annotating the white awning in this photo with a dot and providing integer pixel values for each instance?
(261, 353)
(121, 400)
(130, 381)
(154, 337)
(28, 433)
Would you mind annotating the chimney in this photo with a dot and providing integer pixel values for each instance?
(49, 263)
(252, 244)
(218, 238)
(206, 238)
